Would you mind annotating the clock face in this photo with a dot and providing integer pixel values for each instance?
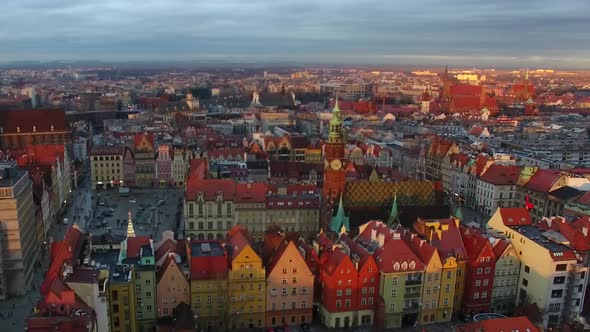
(336, 164)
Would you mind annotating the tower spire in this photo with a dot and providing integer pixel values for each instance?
(526, 76)
(335, 134)
(130, 229)
(393, 213)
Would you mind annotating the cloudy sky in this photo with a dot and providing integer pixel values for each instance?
(529, 33)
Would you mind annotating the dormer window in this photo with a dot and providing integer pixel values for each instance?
(34, 129)
(51, 127)
(1, 130)
(18, 129)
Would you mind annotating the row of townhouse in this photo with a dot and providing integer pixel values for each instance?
(214, 206)
(485, 183)
(392, 278)
(143, 165)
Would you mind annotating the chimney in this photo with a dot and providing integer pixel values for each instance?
(373, 234)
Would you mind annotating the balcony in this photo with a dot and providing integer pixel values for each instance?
(412, 295)
(412, 282)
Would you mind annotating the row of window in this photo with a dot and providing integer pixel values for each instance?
(303, 305)
(284, 291)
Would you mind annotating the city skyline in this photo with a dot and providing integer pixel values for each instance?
(462, 33)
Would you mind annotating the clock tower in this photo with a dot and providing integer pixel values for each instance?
(334, 174)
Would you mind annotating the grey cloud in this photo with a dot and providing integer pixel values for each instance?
(461, 31)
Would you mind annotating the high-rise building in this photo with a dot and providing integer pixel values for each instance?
(19, 247)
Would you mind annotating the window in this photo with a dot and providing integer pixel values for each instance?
(339, 292)
(484, 294)
(561, 267)
(394, 280)
(556, 293)
(284, 281)
(338, 304)
(555, 307)
(488, 269)
(274, 307)
(148, 308)
(477, 283)
(525, 282)
(347, 303)
(348, 291)
(447, 288)
(392, 307)
(209, 298)
(485, 282)
(370, 300)
(394, 292)
(446, 301)
(372, 290)
(476, 295)
(364, 291)
(479, 270)
(303, 305)
(294, 280)
(284, 291)
(527, 269)
(427, 290)
(293, 291)
(293, 305)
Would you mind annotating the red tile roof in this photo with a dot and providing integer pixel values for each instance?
(134, 245)
(501, 325)
(395, 255)
(251, 192)
(466, 90)
(516, 216)
(577, 233)
(169, 263)
(584, 199)
(543, 180)
(41, 154)
(475, 242)
(210, 266)
(211, 188)
(499, 246)
(466, 102)
(62, 252)
(449, 243)
(238, 239)
(138, 140)
(332, 259)
(476, 131)
(501, 175)
(42, 119)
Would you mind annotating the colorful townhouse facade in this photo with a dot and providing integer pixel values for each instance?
(479, 277)
(246, 282)
(208, 262)
(289, 287)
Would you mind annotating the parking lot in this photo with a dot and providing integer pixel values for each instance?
(153, 210)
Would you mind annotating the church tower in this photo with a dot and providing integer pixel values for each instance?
(334, 173)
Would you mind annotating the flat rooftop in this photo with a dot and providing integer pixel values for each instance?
(540, 237)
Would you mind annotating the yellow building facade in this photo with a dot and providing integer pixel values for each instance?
(106, 166)
(246, 283)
